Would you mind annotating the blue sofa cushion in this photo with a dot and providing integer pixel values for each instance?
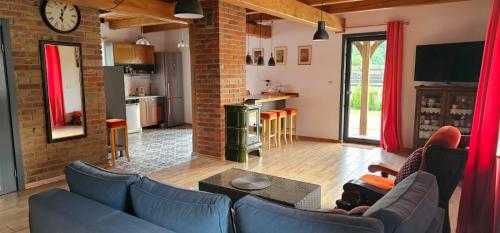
(100, 185)
(180, 210)
(410, 207)
(254, 215)
(60, 211)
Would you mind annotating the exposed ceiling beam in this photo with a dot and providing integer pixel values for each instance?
(257, 30)
(377, 4)
(292, 10)
(163, 27)
(139, 8)
(259, 16)
(326, 2)
(134, 22)
(110, 16)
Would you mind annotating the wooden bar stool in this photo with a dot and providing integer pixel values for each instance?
(269, 122)
(292, 123)
(282, 125)
(114, 125)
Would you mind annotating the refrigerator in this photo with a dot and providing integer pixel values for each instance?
(168, 82)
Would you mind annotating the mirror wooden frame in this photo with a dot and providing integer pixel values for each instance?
(48, 127)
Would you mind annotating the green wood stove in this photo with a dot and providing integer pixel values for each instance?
(242, 132)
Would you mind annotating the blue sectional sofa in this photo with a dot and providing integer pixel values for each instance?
(100, 201)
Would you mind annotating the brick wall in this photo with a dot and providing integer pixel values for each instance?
(219, 71)
(42, 160)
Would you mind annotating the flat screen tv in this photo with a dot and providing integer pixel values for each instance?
(457, 62)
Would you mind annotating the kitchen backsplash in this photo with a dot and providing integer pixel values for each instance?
(134, 83)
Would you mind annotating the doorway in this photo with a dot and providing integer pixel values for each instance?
(10, 181)
(363, 72)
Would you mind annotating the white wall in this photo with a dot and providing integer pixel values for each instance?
(319, 83)
(70, 80)
(163, 42)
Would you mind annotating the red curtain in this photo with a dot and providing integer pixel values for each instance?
(480, 196)
(54, 86)
(390, 133)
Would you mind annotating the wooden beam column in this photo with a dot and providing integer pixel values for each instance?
(218, 72)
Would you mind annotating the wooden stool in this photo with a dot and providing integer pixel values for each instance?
(269, 127)
(292, 113)
(282, 123)
(114, 125)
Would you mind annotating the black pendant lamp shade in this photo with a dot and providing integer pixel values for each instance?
(321, 34)
(188, 9)
(271, 61)
(249, 59)
(260, 61)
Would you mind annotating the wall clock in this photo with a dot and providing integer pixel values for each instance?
(60, 17)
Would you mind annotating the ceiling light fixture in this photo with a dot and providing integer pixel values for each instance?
(321, 34)
(188, 9)
(182, 44)
(260, 59)
(248, 59)
(142, 40)
(271, 61)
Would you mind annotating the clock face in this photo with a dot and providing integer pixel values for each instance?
(60, 17)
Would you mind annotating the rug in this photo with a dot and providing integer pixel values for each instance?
(154, 150)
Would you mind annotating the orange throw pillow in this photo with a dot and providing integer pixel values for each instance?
(378, 181)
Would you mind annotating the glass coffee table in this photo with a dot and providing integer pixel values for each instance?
(283, 191)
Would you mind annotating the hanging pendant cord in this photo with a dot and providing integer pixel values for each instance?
(260, 32)
(272, 22)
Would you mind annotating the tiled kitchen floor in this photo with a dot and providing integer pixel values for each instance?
(157, 149)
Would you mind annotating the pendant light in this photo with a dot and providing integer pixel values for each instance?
(271, 61)
(321, 34)
(248, 59)
(182, 44)
(260, 59)
(142, 40)
(188, 9)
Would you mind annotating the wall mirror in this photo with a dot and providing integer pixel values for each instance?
(62, 80)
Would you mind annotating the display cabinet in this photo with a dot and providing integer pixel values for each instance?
(438, 106)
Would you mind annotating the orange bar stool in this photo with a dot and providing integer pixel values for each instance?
(114, 125)
(269, 127)
(282, 125)
(292, 123)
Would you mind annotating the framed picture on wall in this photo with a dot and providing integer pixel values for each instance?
(256, 53)
(304, 55)
(280, 55)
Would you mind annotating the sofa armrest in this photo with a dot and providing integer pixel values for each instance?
(369, 193)
(384, 168)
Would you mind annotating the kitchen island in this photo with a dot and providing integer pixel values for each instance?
(270, 101)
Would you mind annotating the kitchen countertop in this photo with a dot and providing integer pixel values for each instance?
(258, 99)
(143, 97)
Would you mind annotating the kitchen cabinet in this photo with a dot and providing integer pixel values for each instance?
(151, 111)
(133, 54)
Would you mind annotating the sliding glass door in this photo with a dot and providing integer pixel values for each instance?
(364, 63)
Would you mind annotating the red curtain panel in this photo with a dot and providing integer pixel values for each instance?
(480, 196)
(55, 86)
(390, 133)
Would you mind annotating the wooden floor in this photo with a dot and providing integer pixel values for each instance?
(327, 164)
